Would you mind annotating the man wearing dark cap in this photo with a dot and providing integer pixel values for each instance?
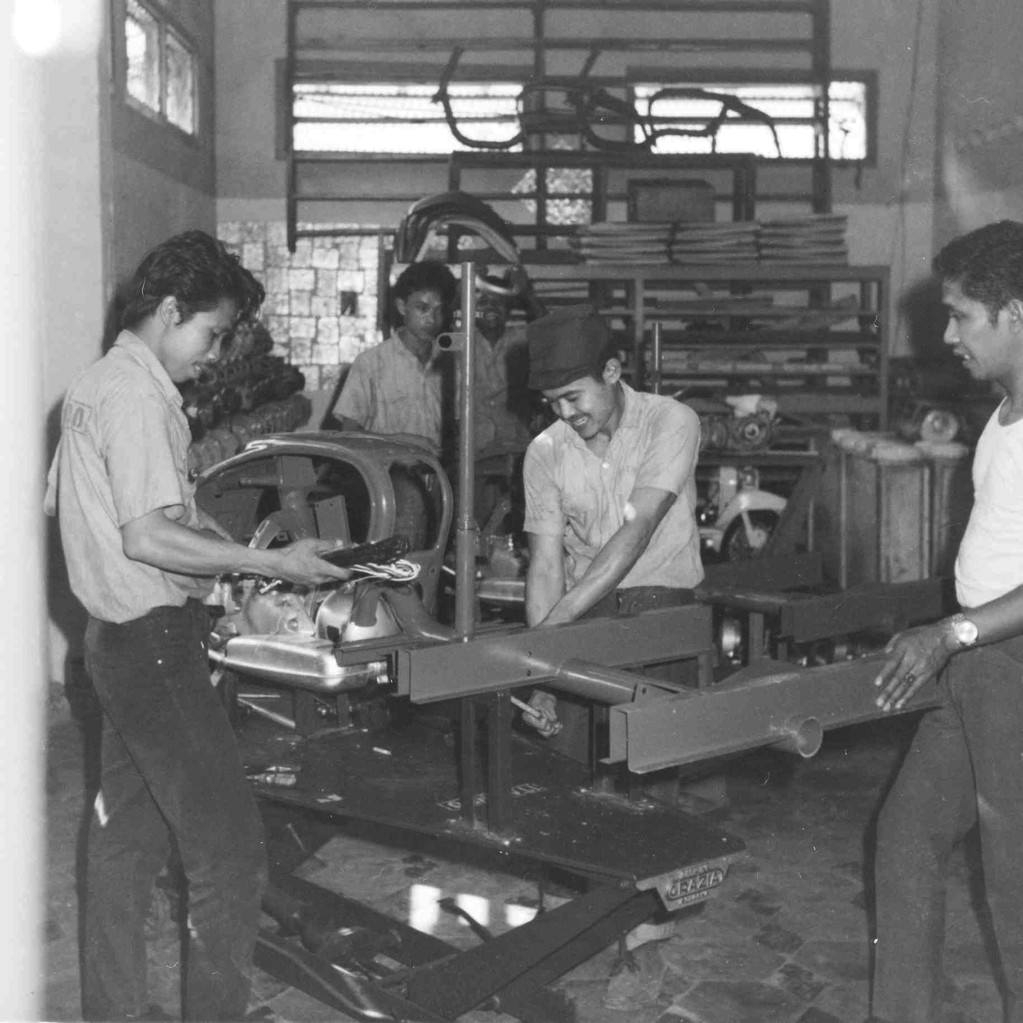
(610, 488)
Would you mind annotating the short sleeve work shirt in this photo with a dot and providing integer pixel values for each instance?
(123, 453)
(574, 494)
(388, 390)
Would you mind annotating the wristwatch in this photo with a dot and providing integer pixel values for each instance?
(963, 631)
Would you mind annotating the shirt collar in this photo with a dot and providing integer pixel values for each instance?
(630, 413)
(139, 352)
(629, 420)
(410, 356)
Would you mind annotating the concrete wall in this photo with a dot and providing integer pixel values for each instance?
(889, 205)
(38, 290)
(161, 181)
(116, 182)
(75, 232)
(980, 165)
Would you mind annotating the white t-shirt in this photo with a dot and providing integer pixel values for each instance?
(990, 559)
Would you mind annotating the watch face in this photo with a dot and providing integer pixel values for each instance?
(965, 632)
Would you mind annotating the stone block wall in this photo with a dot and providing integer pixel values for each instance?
(321, 300)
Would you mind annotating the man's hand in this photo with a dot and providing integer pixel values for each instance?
(915, 656)
(299, 563)
(544, 714)
(518, 279)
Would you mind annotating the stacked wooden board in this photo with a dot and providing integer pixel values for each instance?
(815, 238)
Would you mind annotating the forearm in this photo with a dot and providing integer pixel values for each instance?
(533, 304)
(917, 655)
(611, 565)
(544, 587)
(173, 547)
(999, 619)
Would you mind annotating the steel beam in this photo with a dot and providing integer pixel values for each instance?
(565, 935)
(762, 705)
(530, 656)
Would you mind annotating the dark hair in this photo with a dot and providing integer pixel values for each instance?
(198, 271)
(987, 264)
(426, 276)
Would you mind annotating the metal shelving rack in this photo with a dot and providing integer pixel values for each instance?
(709, 347)
(346, 39)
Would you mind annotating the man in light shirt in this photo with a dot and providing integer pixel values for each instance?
(141, 556)
(397, 386)
(965, 765)
(610, 486)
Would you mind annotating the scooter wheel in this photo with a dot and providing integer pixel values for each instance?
(737, 546)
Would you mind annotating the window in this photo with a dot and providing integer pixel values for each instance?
(160, 67)
(399, 118)
(786, 132)
(402, 118)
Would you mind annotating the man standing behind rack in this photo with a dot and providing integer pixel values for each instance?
(502, 398)
(610, 487)
(397, 386)
(140, 556)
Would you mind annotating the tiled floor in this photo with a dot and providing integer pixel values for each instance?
(785, 940)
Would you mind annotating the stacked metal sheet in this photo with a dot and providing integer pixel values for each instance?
(614, 242)
(815, 238)
(706, 242)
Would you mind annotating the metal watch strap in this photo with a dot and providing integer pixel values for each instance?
(954, 625)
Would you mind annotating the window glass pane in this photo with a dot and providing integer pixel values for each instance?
(180, 84)
(789, 107)
(399, 118)
(142, 43)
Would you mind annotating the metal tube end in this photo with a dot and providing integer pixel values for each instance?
(802, 736)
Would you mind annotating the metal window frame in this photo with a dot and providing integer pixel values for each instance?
(165, 26)
(803, 40)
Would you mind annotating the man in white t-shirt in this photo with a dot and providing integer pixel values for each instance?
(965, 765)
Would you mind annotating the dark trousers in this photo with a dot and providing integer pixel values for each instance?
(581, 719)
(171, 777)
(964, 769)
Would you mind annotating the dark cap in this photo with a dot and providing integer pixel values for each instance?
(565, 345)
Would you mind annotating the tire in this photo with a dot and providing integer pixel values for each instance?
(736, 546)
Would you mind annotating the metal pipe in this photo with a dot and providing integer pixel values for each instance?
(596, 682)
(655, 356)
(761, 705)
(802, 736)
(465, 534)
(265, 712)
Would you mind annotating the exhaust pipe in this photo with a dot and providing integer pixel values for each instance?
(802, 736)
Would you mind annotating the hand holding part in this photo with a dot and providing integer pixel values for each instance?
(376, 558)
(915, 657)
(542, 713)
(302, 563)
